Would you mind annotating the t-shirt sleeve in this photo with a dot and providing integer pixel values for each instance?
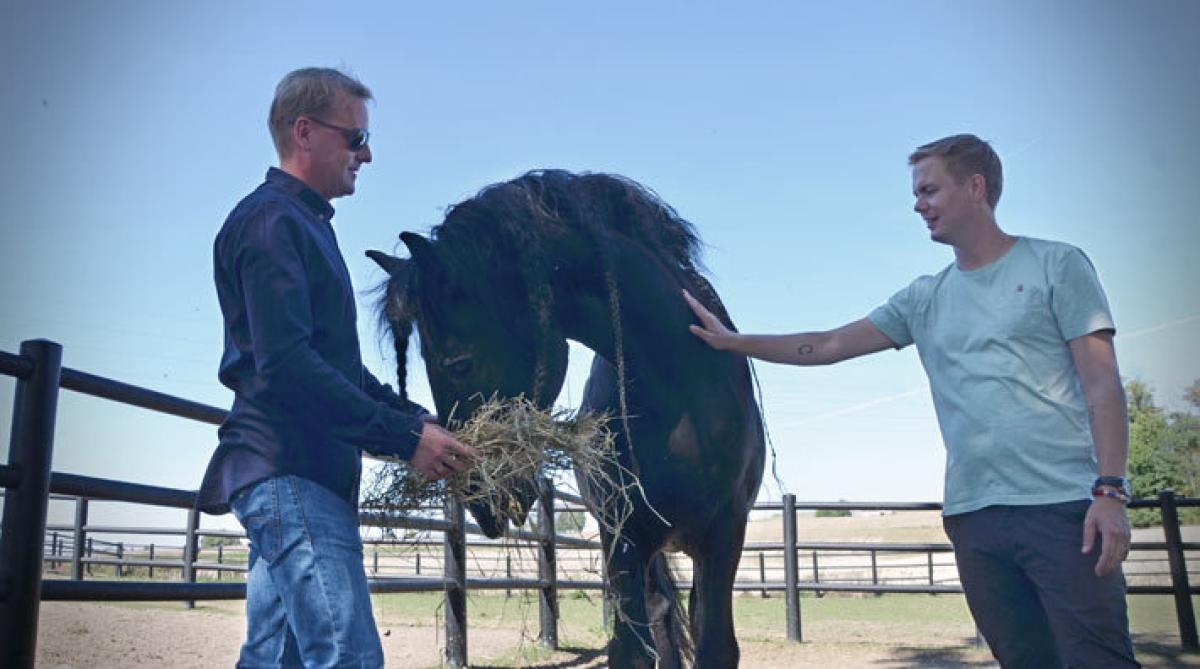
(1076, 297)
(893, 317)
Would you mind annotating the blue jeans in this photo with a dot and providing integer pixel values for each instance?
(1034, 596)
(307, 602)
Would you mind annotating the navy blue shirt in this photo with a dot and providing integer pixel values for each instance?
(303, 402)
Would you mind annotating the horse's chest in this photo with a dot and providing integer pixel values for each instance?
(683, 440)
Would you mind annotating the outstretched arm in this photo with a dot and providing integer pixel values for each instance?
(805, 348)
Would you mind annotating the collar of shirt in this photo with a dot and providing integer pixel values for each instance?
(293, 186)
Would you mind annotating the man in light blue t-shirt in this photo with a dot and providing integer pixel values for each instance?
(1017, 340)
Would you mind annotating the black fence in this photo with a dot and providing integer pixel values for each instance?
(29, 482)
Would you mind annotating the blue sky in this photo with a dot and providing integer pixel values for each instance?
(780, 129)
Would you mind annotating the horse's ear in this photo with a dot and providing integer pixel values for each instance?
(395, 267)
(426, 257)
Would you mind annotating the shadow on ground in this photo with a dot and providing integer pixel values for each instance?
(937, 658)
(1156, 654)
(580, 658)
(1149, 653)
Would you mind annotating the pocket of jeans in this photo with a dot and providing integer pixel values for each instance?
(1070, 512)
(258, 511)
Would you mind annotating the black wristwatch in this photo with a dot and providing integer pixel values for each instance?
(1116, 487)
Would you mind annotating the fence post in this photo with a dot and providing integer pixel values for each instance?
(189, 551)
(1179, 576)
(151, 559)
(90, 554)
(454, 547)
(762, 574)
(547, 567)
(929, 555)
(508, 572)
(30, 447)
(120, 559)
(607, 594)
(816, 573)
(875, 570)
(790, 569)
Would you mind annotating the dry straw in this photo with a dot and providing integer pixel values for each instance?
(520, 443)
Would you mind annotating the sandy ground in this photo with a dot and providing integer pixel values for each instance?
(135, 635)
(97, 636)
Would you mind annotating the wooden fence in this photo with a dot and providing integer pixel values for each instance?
(29, 484)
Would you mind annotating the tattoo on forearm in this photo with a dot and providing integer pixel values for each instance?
(805, 349)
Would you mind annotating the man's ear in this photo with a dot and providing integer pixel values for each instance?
(978, 185)
(301, 127)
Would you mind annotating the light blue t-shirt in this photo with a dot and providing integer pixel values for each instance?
(994, 343)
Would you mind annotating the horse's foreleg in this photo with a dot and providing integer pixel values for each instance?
(711, 603)
(632, 641)
(671, 633)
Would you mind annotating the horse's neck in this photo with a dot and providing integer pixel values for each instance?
(650, 322)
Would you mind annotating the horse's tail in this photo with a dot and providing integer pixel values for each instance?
(668, 619)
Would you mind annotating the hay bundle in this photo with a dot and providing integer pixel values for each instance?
(519, 443)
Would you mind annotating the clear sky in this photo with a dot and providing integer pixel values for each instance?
(780, 129)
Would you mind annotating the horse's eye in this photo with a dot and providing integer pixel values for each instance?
(459, 366)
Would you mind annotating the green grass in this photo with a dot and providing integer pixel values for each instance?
(1150, 615)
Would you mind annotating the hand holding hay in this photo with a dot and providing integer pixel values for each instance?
(438, 454)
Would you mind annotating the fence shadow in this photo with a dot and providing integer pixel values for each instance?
(581, 658)
(940, 658)
(1158, 654)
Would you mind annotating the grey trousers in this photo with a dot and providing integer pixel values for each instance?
(1034, 596)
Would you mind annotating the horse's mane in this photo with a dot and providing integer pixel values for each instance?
(503, 231)
(509, 220)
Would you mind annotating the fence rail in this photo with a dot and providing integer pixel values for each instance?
(29, 484)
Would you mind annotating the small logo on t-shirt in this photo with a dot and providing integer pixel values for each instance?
(1020, 287)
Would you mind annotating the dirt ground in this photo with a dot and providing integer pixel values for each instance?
(137, 635)
(99, 636)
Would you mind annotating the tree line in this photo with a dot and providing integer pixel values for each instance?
(1164, 450)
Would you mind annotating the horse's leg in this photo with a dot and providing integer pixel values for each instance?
(662, 604)
(632, 642)
(711, 603)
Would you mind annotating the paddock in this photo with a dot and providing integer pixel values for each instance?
(32, 552)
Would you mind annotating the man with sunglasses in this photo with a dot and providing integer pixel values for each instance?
(289, 459)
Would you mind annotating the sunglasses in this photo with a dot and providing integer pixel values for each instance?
(356, 138)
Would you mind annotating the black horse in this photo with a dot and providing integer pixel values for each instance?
(496, 292)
